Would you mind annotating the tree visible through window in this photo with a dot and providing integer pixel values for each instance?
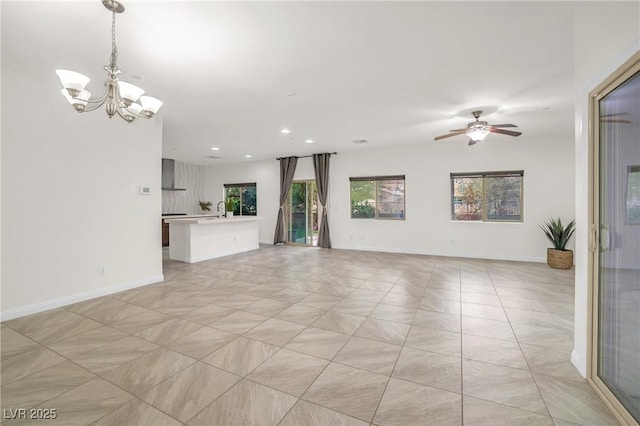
(487, 196)
(243, 196)
(380, 197)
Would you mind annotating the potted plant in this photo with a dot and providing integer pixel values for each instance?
(559, 257)
(229, 205)
(205, 206)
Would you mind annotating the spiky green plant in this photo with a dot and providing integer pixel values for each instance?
(559, 235)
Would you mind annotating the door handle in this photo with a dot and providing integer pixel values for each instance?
(605, 238)
(593, 244)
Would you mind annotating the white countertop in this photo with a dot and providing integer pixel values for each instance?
(208, 220)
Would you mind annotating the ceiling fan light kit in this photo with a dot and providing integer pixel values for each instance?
(120, 98)
(478, 130)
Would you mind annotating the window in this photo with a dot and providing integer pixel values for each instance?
(379, 197)
(243, 196)
(487, 196)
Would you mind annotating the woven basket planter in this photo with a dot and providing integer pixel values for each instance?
(560, 259)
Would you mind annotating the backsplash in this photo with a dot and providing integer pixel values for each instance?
(191, 177)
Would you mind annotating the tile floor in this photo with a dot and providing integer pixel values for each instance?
(298, 336)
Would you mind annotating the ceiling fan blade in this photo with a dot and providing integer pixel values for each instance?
(613, 115)
(505, 132)
(503, 125)
(459, 132)
(472, 142)
(615, 120)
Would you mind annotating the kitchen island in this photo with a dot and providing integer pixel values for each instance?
(194, 239)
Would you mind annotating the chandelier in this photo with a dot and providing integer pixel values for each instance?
(120, 98)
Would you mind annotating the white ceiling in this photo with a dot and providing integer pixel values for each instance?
(388, 72)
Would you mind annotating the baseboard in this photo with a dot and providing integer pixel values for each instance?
(267, 242)
(578, 363)
(448, 254)
(75, 298)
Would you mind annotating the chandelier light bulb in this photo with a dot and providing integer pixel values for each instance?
(72, 81)
(80, 101)
(134, 108)
(120, 97)
(150, 105)
(129, 93)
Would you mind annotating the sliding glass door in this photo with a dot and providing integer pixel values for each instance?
(301, 213)
(616, 242)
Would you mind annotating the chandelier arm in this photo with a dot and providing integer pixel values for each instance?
(97, 105)
(135, 114)
(99, 100)
(124, 117)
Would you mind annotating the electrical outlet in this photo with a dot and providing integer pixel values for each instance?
(102, 270)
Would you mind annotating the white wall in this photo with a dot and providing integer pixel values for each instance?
(69, 198)
(428, 228)
(606, 35)
(190, 177)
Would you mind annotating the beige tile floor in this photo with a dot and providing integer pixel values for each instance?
(298, 336)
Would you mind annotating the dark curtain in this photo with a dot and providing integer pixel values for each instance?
(287, 169)
(321, 167)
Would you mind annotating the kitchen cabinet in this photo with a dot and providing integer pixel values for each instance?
(165, 234)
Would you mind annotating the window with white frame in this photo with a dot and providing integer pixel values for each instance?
(243, 196)
(378, 197)
(487, 196)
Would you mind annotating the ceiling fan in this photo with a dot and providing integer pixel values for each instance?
(478, 130)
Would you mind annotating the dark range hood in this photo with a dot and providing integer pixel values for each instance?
(168, 175)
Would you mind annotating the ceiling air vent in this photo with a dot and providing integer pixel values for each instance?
(360, 141)
(214, 157)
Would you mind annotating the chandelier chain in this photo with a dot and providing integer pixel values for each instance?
(114, 48)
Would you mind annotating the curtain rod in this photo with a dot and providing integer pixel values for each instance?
(307, 156)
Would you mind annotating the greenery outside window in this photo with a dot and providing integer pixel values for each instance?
(378, 197)
(633, 195)
(487, 196)
(243, 196)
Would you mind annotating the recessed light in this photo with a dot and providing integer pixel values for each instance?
(285, 131)
(215, 149)
(247, 156)
(309, 141)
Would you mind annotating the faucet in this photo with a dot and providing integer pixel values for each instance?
(224, 208)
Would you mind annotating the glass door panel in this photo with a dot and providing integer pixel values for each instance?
(618, 274)
(301, 213)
